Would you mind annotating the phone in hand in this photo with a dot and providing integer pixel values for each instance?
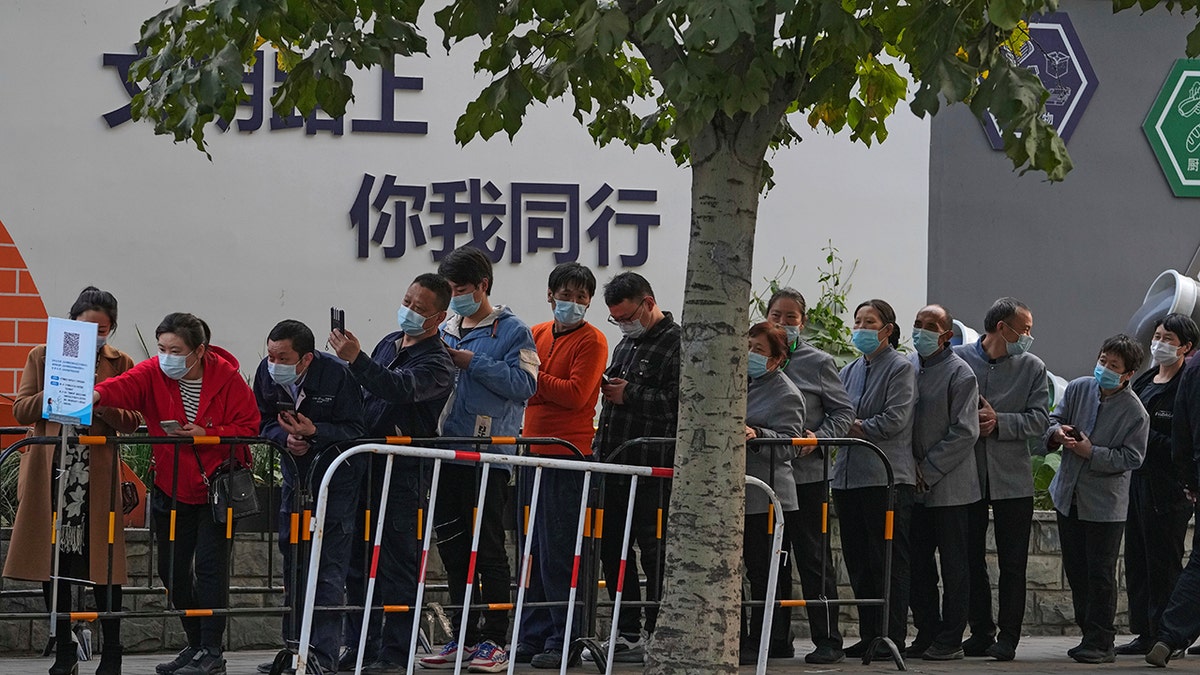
(337, 319)
(285, 407)
(1075, 433)
(170, 426)
(605, 379)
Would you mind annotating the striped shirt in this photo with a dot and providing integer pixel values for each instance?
(190, 391)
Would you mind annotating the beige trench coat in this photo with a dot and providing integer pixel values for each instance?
(30, 553)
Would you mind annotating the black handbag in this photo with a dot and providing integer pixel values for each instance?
(230, 487)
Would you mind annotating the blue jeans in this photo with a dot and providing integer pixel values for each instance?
(1180, 623)
(555, 529)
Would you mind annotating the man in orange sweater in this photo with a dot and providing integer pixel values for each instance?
(573, 353)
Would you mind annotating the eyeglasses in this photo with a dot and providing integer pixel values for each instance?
(616, 322)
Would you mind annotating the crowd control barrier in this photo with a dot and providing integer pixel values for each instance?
(400, 447)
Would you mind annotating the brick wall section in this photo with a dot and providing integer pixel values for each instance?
(22, 320)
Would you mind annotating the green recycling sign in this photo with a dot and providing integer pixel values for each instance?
(1173, 128)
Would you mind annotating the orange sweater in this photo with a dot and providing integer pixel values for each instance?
(568, 387)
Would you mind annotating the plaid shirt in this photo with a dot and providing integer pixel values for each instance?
(650, 364)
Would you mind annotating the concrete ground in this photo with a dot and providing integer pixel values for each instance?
(1036, 655)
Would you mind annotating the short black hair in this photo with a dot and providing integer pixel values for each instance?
(572, 275)
(886, 314)
(1003, 309)
(788, 293)
(1126, 347)
(300, 335)
(626, 286)
(92, 298)
(1182, 326)
(190, 328)
(439, 286)
(467, 265)
(949, 317)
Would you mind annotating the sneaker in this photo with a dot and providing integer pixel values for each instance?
(825, 654)
(1094, 655)
(287, 670)
(181, 659)
(627, 651)
(208, 661)
(384, 667)
(977, 644)
(1001, 651)
(1159, 655)
(446, 657)
(525, 654)
(489, 658)
(1139, 646)
(551, 659)
(938, 652)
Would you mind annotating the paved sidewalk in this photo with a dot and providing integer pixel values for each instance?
(1036, 655)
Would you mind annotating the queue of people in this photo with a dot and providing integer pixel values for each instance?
(957, 424)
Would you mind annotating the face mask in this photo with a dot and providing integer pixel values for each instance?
(411, 323)
(101, 340)
(284, 374)
(174, 366)
(757, 367)
(568, 313)
(1106, 378)
(1164, 353)
(925, 341)
(464, 305)
(1022, 345)
(865, 340)
(631, 329)
(793, 334)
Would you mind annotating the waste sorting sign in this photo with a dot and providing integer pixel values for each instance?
(1173, 128)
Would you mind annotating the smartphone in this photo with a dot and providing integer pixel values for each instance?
(169, 426)
(1075, 433)
(284, 407)
(605, 379)
(337, 319)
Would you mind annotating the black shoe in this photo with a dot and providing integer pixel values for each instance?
(781, 651)
(943, 653)
(551, 659)
(1094, 655)
(64, 664)
(747, 656)
(1139, 646)
(1001, 651)
(977, 644)
(857, 650)
(1194, 650)
(1075, 650)
(287, 670)
(110, 660)
(208, 661)
(181, 659)
(917, 649)
(348, 657)
(524, 655)
(825, 654)
(384, 667)
(1159, 655)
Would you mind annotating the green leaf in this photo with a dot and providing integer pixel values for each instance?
(1006, 13)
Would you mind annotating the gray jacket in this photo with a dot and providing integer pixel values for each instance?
(828, 411)
(883, 392)
(1118, 427)
(945, 427)
(1016, 387)
(775, 409)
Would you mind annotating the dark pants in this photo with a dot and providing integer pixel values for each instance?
(1180, 622)
(388, 637)
(1013, 522)
(807, 542)
(111, 627)
(862, 514)
(199, 575)
(653, 495)
(458, 493)
(942, 529)
(555, 530)
(1089, 556)
(757, 554)
(1153, 555)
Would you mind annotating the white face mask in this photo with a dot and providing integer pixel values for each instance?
(1164, 353)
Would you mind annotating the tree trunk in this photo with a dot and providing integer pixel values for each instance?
(700, 618)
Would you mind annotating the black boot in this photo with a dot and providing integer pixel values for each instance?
(110, 660)
(66, 658)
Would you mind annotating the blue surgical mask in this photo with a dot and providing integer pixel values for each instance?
(568, 313)
(1106, 378)
(284, 374)
(464, 305)
(925, 341)
(793, 334)
(865, 340)
(174, 366)
(411, 323)
(757, 366)
(1022, 345)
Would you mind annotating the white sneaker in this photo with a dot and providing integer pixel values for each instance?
(627, 651)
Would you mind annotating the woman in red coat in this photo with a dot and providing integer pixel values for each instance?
(196, 386)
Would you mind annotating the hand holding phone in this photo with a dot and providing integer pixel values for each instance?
(170, 426)
(284, 407)
(337, 319)
(1074, 433)
(605, 379)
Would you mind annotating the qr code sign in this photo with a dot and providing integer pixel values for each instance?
(70, 345)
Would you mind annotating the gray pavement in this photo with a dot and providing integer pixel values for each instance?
(1036, 655)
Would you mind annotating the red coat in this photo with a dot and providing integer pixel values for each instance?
(227, 408)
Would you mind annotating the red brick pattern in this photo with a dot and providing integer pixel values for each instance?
(22, 321)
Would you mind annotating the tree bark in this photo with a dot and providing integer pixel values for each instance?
(699, 621)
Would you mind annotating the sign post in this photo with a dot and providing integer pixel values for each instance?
(1173, 128)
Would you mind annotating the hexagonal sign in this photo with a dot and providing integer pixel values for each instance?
(1173, 128)
(1050, 48)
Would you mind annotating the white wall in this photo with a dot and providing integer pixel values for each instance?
(261, 232)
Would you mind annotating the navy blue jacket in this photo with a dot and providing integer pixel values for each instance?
(404, 389)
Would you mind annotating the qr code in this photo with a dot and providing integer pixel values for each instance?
(70, 346)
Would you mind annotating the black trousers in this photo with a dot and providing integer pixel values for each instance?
(1013, 523)
(1153, 556)
(653, 495)
(458, 492)
(111, 628)
(1180, 623)
(757, 554)
(1089, 556)
(862, 516)
(942, 529)
(197, 573)
(813, 559)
